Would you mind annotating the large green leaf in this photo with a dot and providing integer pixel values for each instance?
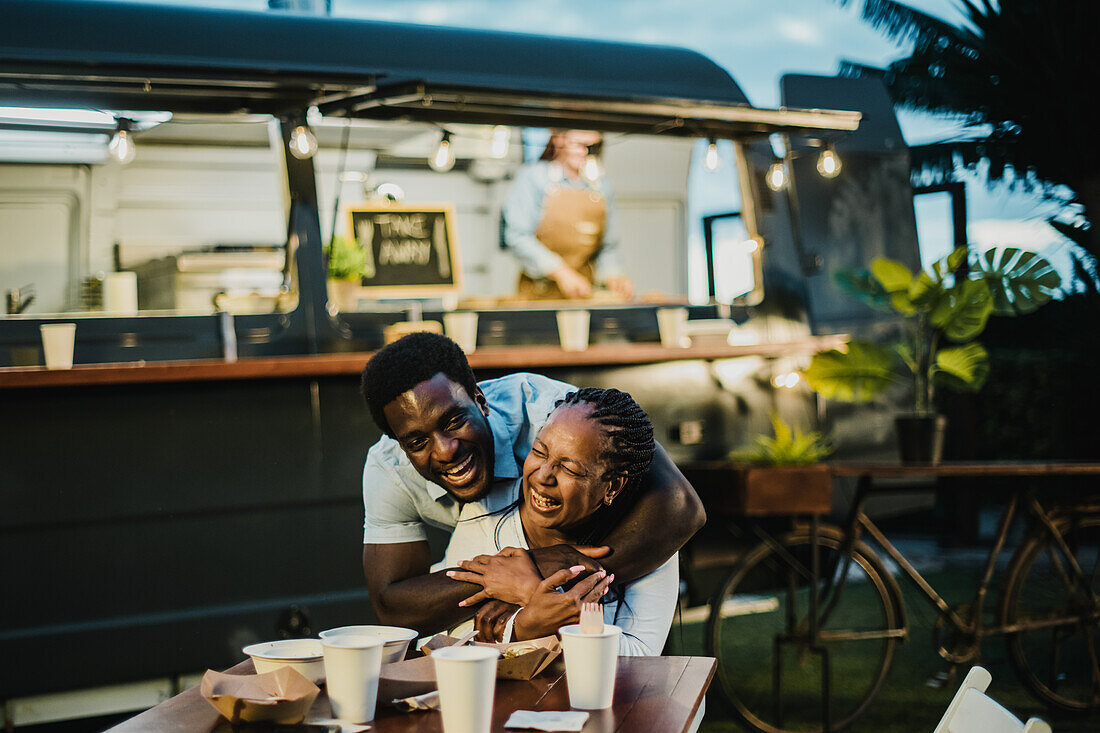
(964, 310)
(945, 266)
(862, 372)
(1020, 281)
(925, 292)
(896, 279)
(962, 368)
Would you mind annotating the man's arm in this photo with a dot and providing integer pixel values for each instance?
(403, 592)
(668, 512)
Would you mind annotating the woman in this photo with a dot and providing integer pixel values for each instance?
(578, 481)
(558, 223)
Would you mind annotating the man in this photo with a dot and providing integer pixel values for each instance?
(449, 441)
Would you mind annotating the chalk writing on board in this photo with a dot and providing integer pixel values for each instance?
(406, 247)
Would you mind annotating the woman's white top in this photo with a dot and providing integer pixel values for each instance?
(645, 612)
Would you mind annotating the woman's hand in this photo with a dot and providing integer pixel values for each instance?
(621, 286)
(550, 609)
(508, 576)
(572, 283)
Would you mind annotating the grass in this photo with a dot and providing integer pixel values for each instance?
(905, 702)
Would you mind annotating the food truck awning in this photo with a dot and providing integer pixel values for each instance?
(116, 55)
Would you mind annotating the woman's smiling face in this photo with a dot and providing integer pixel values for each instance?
(563, 476)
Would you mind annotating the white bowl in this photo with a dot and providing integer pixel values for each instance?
(303, 655)
(397, 638)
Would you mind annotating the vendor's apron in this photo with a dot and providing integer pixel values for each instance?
(572, 227)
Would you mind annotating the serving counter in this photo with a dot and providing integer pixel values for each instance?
(511, 358)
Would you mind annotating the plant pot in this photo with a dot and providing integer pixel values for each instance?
(920, 437)
(738, 489)
(344, 294)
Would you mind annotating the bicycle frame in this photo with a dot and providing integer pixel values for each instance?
(972, 627)
(1052, 529)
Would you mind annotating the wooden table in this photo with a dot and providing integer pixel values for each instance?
(658, 694)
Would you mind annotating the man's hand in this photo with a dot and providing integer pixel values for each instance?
(508, 576)
(491, 619)
(563, 557)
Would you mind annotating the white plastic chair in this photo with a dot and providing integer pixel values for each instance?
(971, 711)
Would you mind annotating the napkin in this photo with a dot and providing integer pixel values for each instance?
(547, 720)
(427, 701)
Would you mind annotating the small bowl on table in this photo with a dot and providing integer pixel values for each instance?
(305, 656)
(396, 638)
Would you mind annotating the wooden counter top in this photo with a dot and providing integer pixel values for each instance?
(516, 358)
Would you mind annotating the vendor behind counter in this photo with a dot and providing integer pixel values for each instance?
(559, 222)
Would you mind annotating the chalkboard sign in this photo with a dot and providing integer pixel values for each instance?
(410, 250)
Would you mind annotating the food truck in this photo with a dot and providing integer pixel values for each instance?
(187, 185)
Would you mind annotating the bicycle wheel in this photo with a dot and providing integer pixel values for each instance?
(1058, 658)
(758, 630)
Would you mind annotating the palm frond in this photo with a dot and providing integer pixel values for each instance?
(901, 23)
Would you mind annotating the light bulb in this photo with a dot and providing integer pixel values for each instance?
(776, 177)
(121, 147)
(443, 159)
(390, 192)
(828, 163)
(302, 143)
(711, 161)
(592, 168)
(788, 380)
(498, 144)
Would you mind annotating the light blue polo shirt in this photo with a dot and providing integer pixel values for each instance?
(398, 502)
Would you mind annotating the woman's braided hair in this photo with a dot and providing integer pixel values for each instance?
(627, 450)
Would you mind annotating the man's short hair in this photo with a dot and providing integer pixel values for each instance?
(412, 359)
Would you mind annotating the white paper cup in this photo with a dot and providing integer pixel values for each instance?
(352, 667)
(462, 329)
(591, 662)
(573, 330)
(467, 677)
(672, 324)
(57, 344)
(120, 293)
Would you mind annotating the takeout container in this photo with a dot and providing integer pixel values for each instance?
(283, 696)
(397, 638)
(302, 655)
(521, 660)
(417, 676)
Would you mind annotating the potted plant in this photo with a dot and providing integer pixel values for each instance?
(782, 474)
(944, 310)
(346, 262)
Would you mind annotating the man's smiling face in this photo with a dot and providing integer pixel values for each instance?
(446, 435)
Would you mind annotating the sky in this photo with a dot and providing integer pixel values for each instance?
(756, 41)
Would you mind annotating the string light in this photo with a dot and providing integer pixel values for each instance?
(776, 177)
(788, 380)
(828, 163)
(498, 144)
(711, 161)
(303, 144)
(121, 147)
(443, 159)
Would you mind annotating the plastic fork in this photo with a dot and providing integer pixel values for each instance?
(591, 618)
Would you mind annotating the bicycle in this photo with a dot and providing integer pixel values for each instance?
(765, 615)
